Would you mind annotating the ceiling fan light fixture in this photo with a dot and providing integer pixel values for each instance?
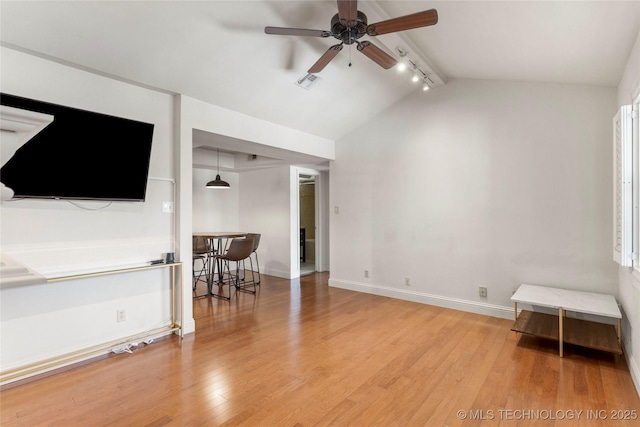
(350, 24)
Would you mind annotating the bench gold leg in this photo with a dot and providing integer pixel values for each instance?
(560, 330)
(620, 332)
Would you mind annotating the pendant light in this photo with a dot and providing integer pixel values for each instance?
(218, 183)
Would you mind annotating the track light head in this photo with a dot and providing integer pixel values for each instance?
(415, 77)
(402, 64)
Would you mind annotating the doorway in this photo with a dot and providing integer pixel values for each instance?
(308, 223)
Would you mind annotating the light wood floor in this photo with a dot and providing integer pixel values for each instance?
(303, 354)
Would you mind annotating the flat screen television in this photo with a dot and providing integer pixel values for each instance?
(81, 155)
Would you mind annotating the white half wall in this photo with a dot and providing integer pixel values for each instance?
(477, 183)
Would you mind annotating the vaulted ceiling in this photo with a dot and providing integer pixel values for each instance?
(217, 51)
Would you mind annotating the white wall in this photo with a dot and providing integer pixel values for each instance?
(215, 210)
(629, 86)
(324, 213)
(477, 183)
(56, 237)
(629, 287)
(265, 205)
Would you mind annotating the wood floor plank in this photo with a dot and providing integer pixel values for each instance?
(299, 353)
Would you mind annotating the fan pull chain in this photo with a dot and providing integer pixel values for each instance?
(350, 47)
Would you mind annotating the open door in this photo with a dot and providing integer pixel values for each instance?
(308, 223)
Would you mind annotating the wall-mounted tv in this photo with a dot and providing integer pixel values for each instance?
(81, 155)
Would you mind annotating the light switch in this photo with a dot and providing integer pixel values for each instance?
(167, 207)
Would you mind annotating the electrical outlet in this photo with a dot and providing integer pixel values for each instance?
(482, 291)
(407, 281)
(366, 274)
(121, 315)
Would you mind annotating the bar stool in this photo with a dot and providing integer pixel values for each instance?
(256, 243)
(200, 254)
(239, 250)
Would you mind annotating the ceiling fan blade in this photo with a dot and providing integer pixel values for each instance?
(377, 55)
(415, 20)
(325, 59)
(348, 11)
(296, 32)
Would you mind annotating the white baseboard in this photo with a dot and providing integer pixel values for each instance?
(634, 369)
(43, 366)
(437, 300)
(277, 273)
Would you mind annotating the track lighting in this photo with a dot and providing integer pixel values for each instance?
(418, 74)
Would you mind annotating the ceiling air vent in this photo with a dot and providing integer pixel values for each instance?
(308, 80)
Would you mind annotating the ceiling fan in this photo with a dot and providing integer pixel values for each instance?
(349, 25)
